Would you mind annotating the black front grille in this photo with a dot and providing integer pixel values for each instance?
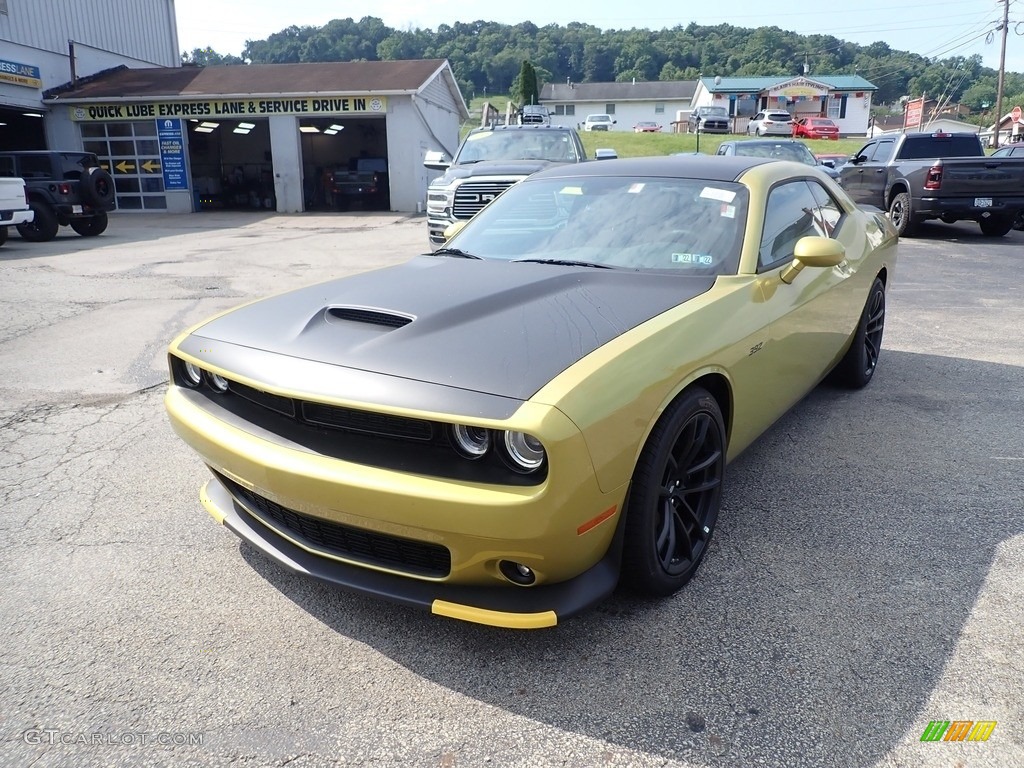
(277, 403)
(369, 422)
(415, 557)
(474, 195)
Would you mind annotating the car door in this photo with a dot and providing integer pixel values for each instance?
(754, 121)
(812, 317)
(851, 175)
(875, 173)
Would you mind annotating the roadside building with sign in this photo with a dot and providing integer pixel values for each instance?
(267, 136)
(46, 43)
(846, 99)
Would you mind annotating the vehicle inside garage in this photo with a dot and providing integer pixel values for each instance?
(232, 164)
(344, 163)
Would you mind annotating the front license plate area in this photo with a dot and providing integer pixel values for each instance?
(983, 202)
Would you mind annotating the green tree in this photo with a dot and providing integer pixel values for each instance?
(524, 88)
(203, 57)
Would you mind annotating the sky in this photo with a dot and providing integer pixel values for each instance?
(932, 28)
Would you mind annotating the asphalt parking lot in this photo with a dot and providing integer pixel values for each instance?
(864, 580)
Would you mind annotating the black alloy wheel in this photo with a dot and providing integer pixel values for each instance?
(44, 224)
(901, 216)
(675, 495)
(858, 365)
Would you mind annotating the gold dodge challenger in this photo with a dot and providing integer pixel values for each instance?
(500, 430)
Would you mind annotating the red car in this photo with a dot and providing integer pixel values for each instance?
(646, 126)
(815, 128)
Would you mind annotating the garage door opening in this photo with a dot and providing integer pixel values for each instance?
(232, 164)
(345, 164)
(21, 128)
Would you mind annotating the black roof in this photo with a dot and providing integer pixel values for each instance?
(709, 167)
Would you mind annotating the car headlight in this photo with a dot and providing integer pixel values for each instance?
(440, 198)
(217, 383)
(470, 442)
(193, 374)
(523, 452)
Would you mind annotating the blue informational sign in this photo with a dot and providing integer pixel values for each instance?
(172, 153)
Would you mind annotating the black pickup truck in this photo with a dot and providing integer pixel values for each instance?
(921, 176)
(365, 183)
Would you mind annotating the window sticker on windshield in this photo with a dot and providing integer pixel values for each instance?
(635, 188)
(477, 136)
(701, 259)
(728, 211)
(571, 191)
(725, 195)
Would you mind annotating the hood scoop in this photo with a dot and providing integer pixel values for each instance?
(369, 316)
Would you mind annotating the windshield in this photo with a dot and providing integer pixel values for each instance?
(714, 112)
(796, 152)
(683, 226)
(599, 119)
(517, 145)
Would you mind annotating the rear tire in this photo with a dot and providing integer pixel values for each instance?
(92, 226)
(3, 235)
(901, 215)
(996, 226)
(43, 226)
(857, 367)
(674, 496)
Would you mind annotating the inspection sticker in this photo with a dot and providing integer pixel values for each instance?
(712, 193)
(702, 259)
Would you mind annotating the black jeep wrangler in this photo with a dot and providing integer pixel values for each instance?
(63, 188)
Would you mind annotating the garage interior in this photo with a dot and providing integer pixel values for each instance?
(21, 128)
(232, 162)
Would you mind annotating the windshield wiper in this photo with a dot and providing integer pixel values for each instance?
(456, 252)
(564, 263)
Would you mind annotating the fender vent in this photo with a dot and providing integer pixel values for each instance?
(371, 316)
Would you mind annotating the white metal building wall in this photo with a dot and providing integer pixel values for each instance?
(145, 30)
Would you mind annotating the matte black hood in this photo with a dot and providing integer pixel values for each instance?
(488, 326)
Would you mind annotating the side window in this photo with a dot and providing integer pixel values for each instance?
(830, 213)
(867, 150)
(791, 213)
(34, 166)
(724, 149)
(758, 116)
(883, 151)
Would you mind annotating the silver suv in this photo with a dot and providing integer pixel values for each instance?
(771, 123)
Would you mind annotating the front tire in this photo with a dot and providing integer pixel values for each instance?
(857, 367)
(901, 216)
(43, 226)
(674, 496)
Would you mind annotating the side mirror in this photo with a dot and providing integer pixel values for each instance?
(453, 229)
(605, 154)
(813, 251)
(436, 161)
(829, 163)
(858, 159)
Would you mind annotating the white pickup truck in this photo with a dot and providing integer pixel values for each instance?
(13, 205)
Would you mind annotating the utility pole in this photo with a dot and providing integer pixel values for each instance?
(1002, 72)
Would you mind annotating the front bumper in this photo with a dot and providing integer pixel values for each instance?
(562, 528)
(510, 607)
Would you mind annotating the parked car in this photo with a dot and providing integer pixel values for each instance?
(598, 123)
(14, 205)
(771, 123)
(832, 160)
(489, 161)
(946, 176)
(646, 126)
(534, 114)
(496, 431)
(708, 120)
(1013, 150)
(815, 128)
(64, 188)
(775, 149)
(365, 184)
